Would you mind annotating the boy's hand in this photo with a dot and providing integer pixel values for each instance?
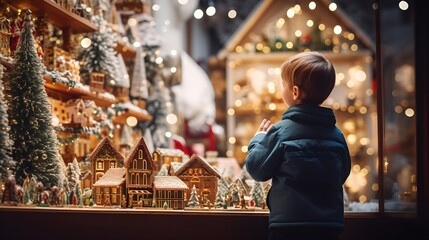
(265, 126)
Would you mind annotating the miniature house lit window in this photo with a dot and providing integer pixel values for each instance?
(140, 154)
(138, 179)
(99, 165)
(135, 163)
(155, 157)
(144, 164)
(195, 179)
(133, 178)
(176, 159)
(167, 160)
(112, 164)
(114, 190)
(175, 194)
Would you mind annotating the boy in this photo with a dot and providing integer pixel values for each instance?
(304, 154)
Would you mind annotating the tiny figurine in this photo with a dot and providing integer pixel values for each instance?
(242, 202)
(107, 200)
(124, 202)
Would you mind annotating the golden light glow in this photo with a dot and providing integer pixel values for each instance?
(409, 112)
(85, 43)
(232, 140)
(312, 5)
(131, 121)
(171, 118)
(231, 111)
(244, 149)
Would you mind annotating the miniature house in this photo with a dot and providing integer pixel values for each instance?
(59, 110)
(104, 157)
(78, 113)
(111, 185)
(196, 171)
(140, 172)
(169, 190)
(96, 82)
(165, 156)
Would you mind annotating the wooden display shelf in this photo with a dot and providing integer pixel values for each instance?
(65, 93)
(69, 93)
(56, 15)
(122, 119)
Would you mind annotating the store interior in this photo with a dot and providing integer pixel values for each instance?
(182, 86)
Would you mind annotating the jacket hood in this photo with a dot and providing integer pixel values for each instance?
(310, 114)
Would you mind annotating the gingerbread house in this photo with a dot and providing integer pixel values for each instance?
(140, 172)
(110, 187)
(165, 156)
(104, 157)
(196, 171)
(169, 191)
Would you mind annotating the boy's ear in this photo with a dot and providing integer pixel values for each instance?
(296, 92)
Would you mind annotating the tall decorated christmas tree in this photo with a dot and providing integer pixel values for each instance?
(6, 162)
(35, 145)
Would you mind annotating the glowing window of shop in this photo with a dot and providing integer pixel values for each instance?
(144, 164)
(112, 164)
(140, 154)
(135, 164)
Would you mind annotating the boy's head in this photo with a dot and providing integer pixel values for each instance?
(309, 76)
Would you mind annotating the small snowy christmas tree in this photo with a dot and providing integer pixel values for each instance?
(35, 148)
(100, 56)
(219, 202)
(6, 162)
(193, 201)
(223, 187)
(257, 193)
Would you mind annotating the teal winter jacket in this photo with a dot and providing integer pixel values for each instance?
(308, 160)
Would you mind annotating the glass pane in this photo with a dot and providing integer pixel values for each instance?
(398, 69)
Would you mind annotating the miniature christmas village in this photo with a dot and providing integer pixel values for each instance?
(166, 179)
(59, 121)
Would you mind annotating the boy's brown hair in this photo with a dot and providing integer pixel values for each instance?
(312, 73)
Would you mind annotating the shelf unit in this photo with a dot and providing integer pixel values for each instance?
(56, 15)
(71, 23)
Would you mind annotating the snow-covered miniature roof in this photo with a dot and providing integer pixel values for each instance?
(196, 158)
(131, 106)
(106, 142)
(113, 177)
(170, 152)
(269, 10)
(169, 182)
(140, 145)
(174, 166)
